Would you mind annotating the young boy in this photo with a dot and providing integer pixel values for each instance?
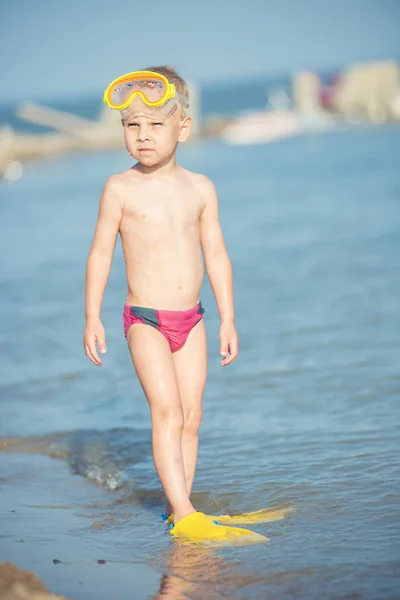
(166, 216)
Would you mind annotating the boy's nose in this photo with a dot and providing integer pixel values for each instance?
(143, 133)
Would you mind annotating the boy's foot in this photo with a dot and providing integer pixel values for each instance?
(198, 527)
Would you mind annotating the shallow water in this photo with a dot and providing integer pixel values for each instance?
(307, 417)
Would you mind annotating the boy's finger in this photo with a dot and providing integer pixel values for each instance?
(234, 349)
(223, 350)
(229, 358)
(93, 349)
(92, 355)
(225, 358)
(96, 357)
(87, 352)
(233, 352)
(102, 344)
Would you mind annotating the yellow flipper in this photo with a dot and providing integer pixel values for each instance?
(266, 515)
(198, 527)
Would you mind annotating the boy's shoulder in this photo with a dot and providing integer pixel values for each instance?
(116, 189)
(118, 179)
(117, 183)
(199, 180)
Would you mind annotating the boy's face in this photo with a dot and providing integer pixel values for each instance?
(150, 137)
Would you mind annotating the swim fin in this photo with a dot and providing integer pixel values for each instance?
(266, 515)
(198, 527)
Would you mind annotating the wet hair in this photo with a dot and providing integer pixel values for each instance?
(173, 77)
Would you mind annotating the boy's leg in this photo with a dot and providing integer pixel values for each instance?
(191, 371)
(154, 366)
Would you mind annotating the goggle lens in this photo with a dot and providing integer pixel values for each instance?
(153, 90)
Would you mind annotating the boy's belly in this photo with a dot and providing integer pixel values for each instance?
(165, 284)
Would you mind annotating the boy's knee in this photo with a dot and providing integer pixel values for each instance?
(192, 420)
(169, 417)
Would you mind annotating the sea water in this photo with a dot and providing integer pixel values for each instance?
(307, 417)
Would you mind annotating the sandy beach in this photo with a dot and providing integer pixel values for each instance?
(17, 584)
(51, 525)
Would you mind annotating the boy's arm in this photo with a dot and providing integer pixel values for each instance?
(99, 265)
(219, 271)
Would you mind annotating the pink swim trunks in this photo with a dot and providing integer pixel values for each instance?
(175, 325)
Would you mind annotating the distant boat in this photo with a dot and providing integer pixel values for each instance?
(260, 127)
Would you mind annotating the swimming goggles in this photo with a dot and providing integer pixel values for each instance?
(153, 88)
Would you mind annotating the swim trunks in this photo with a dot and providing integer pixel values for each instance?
(175, 325)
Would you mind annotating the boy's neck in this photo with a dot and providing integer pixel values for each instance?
(166, 167)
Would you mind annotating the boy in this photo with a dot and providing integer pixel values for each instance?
(166, 216)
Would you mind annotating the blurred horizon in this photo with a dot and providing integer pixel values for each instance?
(221, 84)
(70, 51)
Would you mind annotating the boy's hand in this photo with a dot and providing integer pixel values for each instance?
(94, 332)
(229, 342)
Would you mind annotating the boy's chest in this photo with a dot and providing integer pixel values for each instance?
(165, 209)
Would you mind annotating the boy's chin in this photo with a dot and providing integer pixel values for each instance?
(148, 159)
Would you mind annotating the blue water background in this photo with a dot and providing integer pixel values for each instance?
(309, 414)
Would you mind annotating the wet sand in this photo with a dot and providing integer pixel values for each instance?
(17, 584)
(51, 527)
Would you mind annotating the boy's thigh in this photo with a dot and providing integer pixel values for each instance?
(154, 365)
(191, 365)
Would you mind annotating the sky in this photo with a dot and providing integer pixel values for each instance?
(55, 48)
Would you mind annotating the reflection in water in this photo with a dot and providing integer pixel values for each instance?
(198, 572)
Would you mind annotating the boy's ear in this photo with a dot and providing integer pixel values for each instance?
(184, 129)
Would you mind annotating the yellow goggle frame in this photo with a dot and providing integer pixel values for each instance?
(170, 89)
